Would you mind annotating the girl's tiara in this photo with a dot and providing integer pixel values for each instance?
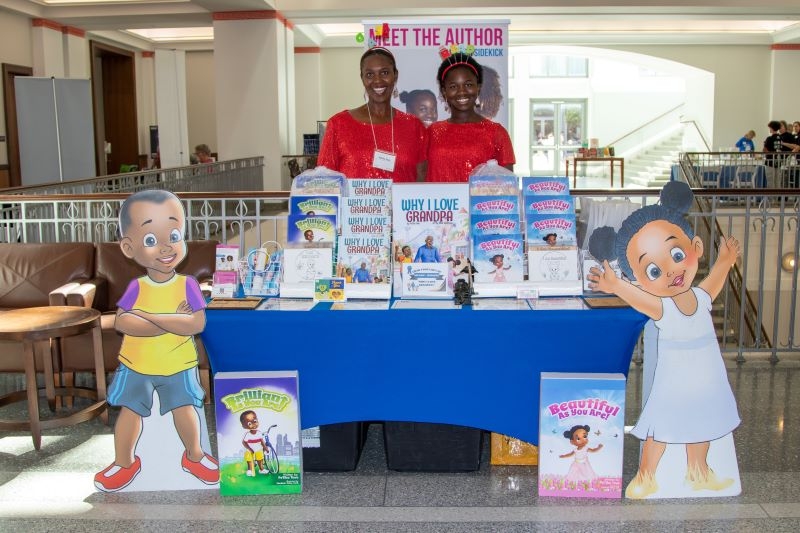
(464, 52)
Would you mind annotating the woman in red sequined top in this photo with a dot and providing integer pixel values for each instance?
(466, 139)
(375, 140)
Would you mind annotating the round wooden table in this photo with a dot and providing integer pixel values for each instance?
(41, 327)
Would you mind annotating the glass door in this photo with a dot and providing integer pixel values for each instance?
(558, 129)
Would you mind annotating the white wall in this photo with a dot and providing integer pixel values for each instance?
(15, 49)
(201, 99)
(785, 82)
(741, 84)
(341, 79)
(308, 94)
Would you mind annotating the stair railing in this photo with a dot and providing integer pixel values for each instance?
(646, 133)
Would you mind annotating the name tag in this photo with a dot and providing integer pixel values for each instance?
(383, 160)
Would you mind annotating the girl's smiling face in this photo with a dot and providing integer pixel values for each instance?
(664, 260)
(460, 89)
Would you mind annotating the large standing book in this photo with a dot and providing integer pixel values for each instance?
(258, 432)
(436, 210)
(581, 433)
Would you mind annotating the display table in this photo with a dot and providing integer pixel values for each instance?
(610, 160)
(464, 367)
(41, 327)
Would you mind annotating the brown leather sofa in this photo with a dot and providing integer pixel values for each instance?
(84, 274)
(35, 275)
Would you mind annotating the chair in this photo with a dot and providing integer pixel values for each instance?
(790, 172)
(745, 177)
(709, 179)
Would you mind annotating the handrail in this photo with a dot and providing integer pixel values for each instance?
(243, 174)
(644, 125)
(699, 132)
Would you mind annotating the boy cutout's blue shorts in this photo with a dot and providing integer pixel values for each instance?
(135, 391)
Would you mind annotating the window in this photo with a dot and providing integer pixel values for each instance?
(558, 67)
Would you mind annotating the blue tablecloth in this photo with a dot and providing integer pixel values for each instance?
(728, 174)
(466, 367)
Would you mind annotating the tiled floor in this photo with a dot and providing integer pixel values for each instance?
(52, 490)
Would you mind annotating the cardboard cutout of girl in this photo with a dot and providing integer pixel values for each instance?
(690, 403)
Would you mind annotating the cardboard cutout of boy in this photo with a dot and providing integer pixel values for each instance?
(158, 315)
(690, 411)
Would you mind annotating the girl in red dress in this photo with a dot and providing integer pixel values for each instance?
(467, 139)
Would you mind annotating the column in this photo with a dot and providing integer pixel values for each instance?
(253, 70)
(173, 133)
(308, 93)
(48, 49)
(145, 99)
(76, 53)
(785, 80)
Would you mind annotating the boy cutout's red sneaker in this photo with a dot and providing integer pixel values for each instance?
(115, 477)
(206, 469)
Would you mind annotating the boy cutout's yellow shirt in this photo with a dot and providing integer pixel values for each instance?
(168, 353)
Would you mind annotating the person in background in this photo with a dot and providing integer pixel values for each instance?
(772, 144)
(203, 153)
(789, 142)
(466, 139)
(746, 144)
(375, 140)
(422, 104)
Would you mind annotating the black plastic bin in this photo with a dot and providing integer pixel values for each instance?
(426, 447)
(339, 450)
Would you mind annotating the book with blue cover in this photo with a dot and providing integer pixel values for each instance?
(581, 434)
(311, 228)
(538, 227)
(314, 205)
(501, 185)
(315, 182)
(498, 258)
(258, 432)
(549, 205)
(494, 205)
(545, 186)
(495, 224)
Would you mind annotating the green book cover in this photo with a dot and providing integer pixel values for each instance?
(258, 432)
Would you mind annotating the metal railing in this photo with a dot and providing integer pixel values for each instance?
(765, 221)
(244, 174)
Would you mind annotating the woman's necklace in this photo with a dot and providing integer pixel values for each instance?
(381, 159)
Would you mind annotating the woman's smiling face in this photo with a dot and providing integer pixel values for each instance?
(379, 76)
(664, 260)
